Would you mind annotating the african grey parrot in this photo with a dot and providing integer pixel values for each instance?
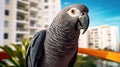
(57, 46)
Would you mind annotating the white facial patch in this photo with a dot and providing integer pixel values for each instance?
(74, 12)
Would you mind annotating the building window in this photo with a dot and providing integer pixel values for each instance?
(45, 0)
(46, 26)
(7, 2)
(39, 17)
(53, 0)
(39, 8)
(32, 31)
(6, 24)
(96, 46)
(38, 25)
(46, 7)
(39, 0)
(7, 12)
(5, 35)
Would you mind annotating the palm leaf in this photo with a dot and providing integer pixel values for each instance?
(8, 50)
(25, 43)
(19, 55)
(14, 62)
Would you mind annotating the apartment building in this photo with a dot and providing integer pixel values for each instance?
(100, 37)
(103, 36)
(2, 7)
(23, 18)
(83, 40)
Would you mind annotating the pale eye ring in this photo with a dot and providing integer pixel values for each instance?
(73, 11)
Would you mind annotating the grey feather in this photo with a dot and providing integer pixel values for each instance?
(36, 49)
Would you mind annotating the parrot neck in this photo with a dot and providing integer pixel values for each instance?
(63, 33)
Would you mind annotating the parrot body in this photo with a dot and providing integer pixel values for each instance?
(57, 46)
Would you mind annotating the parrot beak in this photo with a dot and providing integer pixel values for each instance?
(83, 23)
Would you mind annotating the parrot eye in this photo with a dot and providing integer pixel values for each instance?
(82, 14)
(74, 12)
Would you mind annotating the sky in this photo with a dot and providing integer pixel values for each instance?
(101, 12)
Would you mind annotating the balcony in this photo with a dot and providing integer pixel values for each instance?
(32, 31)
(19, 39)
(33, 26)
(34, 9)
(22, 31)
(34, 19)
(34, 1)
(23, 2)
(21, 17)
(33, 15)
(22, 11)
(22, 8)
(22, 22)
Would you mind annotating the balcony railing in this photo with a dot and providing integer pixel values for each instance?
(33, 26)
(19, 39)
(109, 55)
(35, 1)
(22, 18)
(32, 32)
(22, 8)
(34, 9)
(33, 16)
(21, 29)
(113, 56)
(24, 1)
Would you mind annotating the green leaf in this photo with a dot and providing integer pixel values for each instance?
(17, 55)
(20, 56)
(25, 43)
(8, 50)
(14, 61)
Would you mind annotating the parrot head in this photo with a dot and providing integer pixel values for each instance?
(75, 17)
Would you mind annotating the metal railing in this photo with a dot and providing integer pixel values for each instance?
(113, 56)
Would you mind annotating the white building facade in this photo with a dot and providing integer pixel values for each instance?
(50, 9)
(23, 18)
(102, 37)
(83, 40)
(2, 8)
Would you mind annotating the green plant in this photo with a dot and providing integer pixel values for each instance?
(85, 61)
(17, 54)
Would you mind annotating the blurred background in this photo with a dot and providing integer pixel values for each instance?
(20, 19)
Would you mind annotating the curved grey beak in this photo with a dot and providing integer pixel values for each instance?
(83, 23)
